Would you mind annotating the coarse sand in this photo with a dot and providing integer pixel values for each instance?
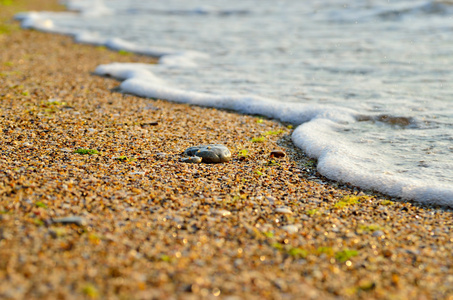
(147, 226)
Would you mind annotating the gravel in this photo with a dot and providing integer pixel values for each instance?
(157, 227)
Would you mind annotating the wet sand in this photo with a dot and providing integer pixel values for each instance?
(145, 225)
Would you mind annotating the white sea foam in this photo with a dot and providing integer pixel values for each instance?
(369, 136)
(91, 38)
(139, 80)
(170, 57)
(340, 160)
(125, 71)
(35, 20)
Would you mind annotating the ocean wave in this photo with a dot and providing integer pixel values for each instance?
(199, 11)
(390, 11)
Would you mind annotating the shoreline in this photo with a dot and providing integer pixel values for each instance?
(153, 226)
(341, 164)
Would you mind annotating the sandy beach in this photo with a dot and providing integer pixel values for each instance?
(131, 221)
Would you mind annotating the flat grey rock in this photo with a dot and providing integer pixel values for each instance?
(79, 221)
(378, 233)
(213, 153)
(192, 159)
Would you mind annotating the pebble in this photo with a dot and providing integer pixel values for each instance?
(277, 153)
(213, 153)
(266, 227)
(4, 218)
(270, 199)
(192, 159)
(149, 124)
(222, 212)
(79, 221)
(291, 228)
(283, 210)
(378, 233)
(160, 155)
(137, 173)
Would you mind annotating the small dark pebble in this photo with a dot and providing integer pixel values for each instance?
(149, 124)
(277, 153)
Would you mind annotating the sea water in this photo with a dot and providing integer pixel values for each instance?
(368, 83)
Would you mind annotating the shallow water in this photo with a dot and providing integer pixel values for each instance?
(370, 81)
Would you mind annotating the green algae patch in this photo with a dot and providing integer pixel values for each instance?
(386, 202)
(260, 139)
(347, 201)
(6, 29)
(345, 255)
(125, 158)
(94, 238)
(271, 163)
(38, 222)
(90, 291)
(297, 252)
(312, 212)
(268, 234)
(243, 153)
(325, 250)
(273, 132)
(86, 151)
(124, 52)
(369, 228)
(310, 163)
(165, 258)
(259, 173)
(367, 285)
(41, 204)
(277, 246)
(58, 232)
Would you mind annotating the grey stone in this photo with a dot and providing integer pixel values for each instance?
(213, 153)
(79, 221)
(378, 233)
(291, 228)
(221, 212)
(283, 211)
(192, 159)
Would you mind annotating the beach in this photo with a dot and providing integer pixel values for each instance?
(131, 221)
